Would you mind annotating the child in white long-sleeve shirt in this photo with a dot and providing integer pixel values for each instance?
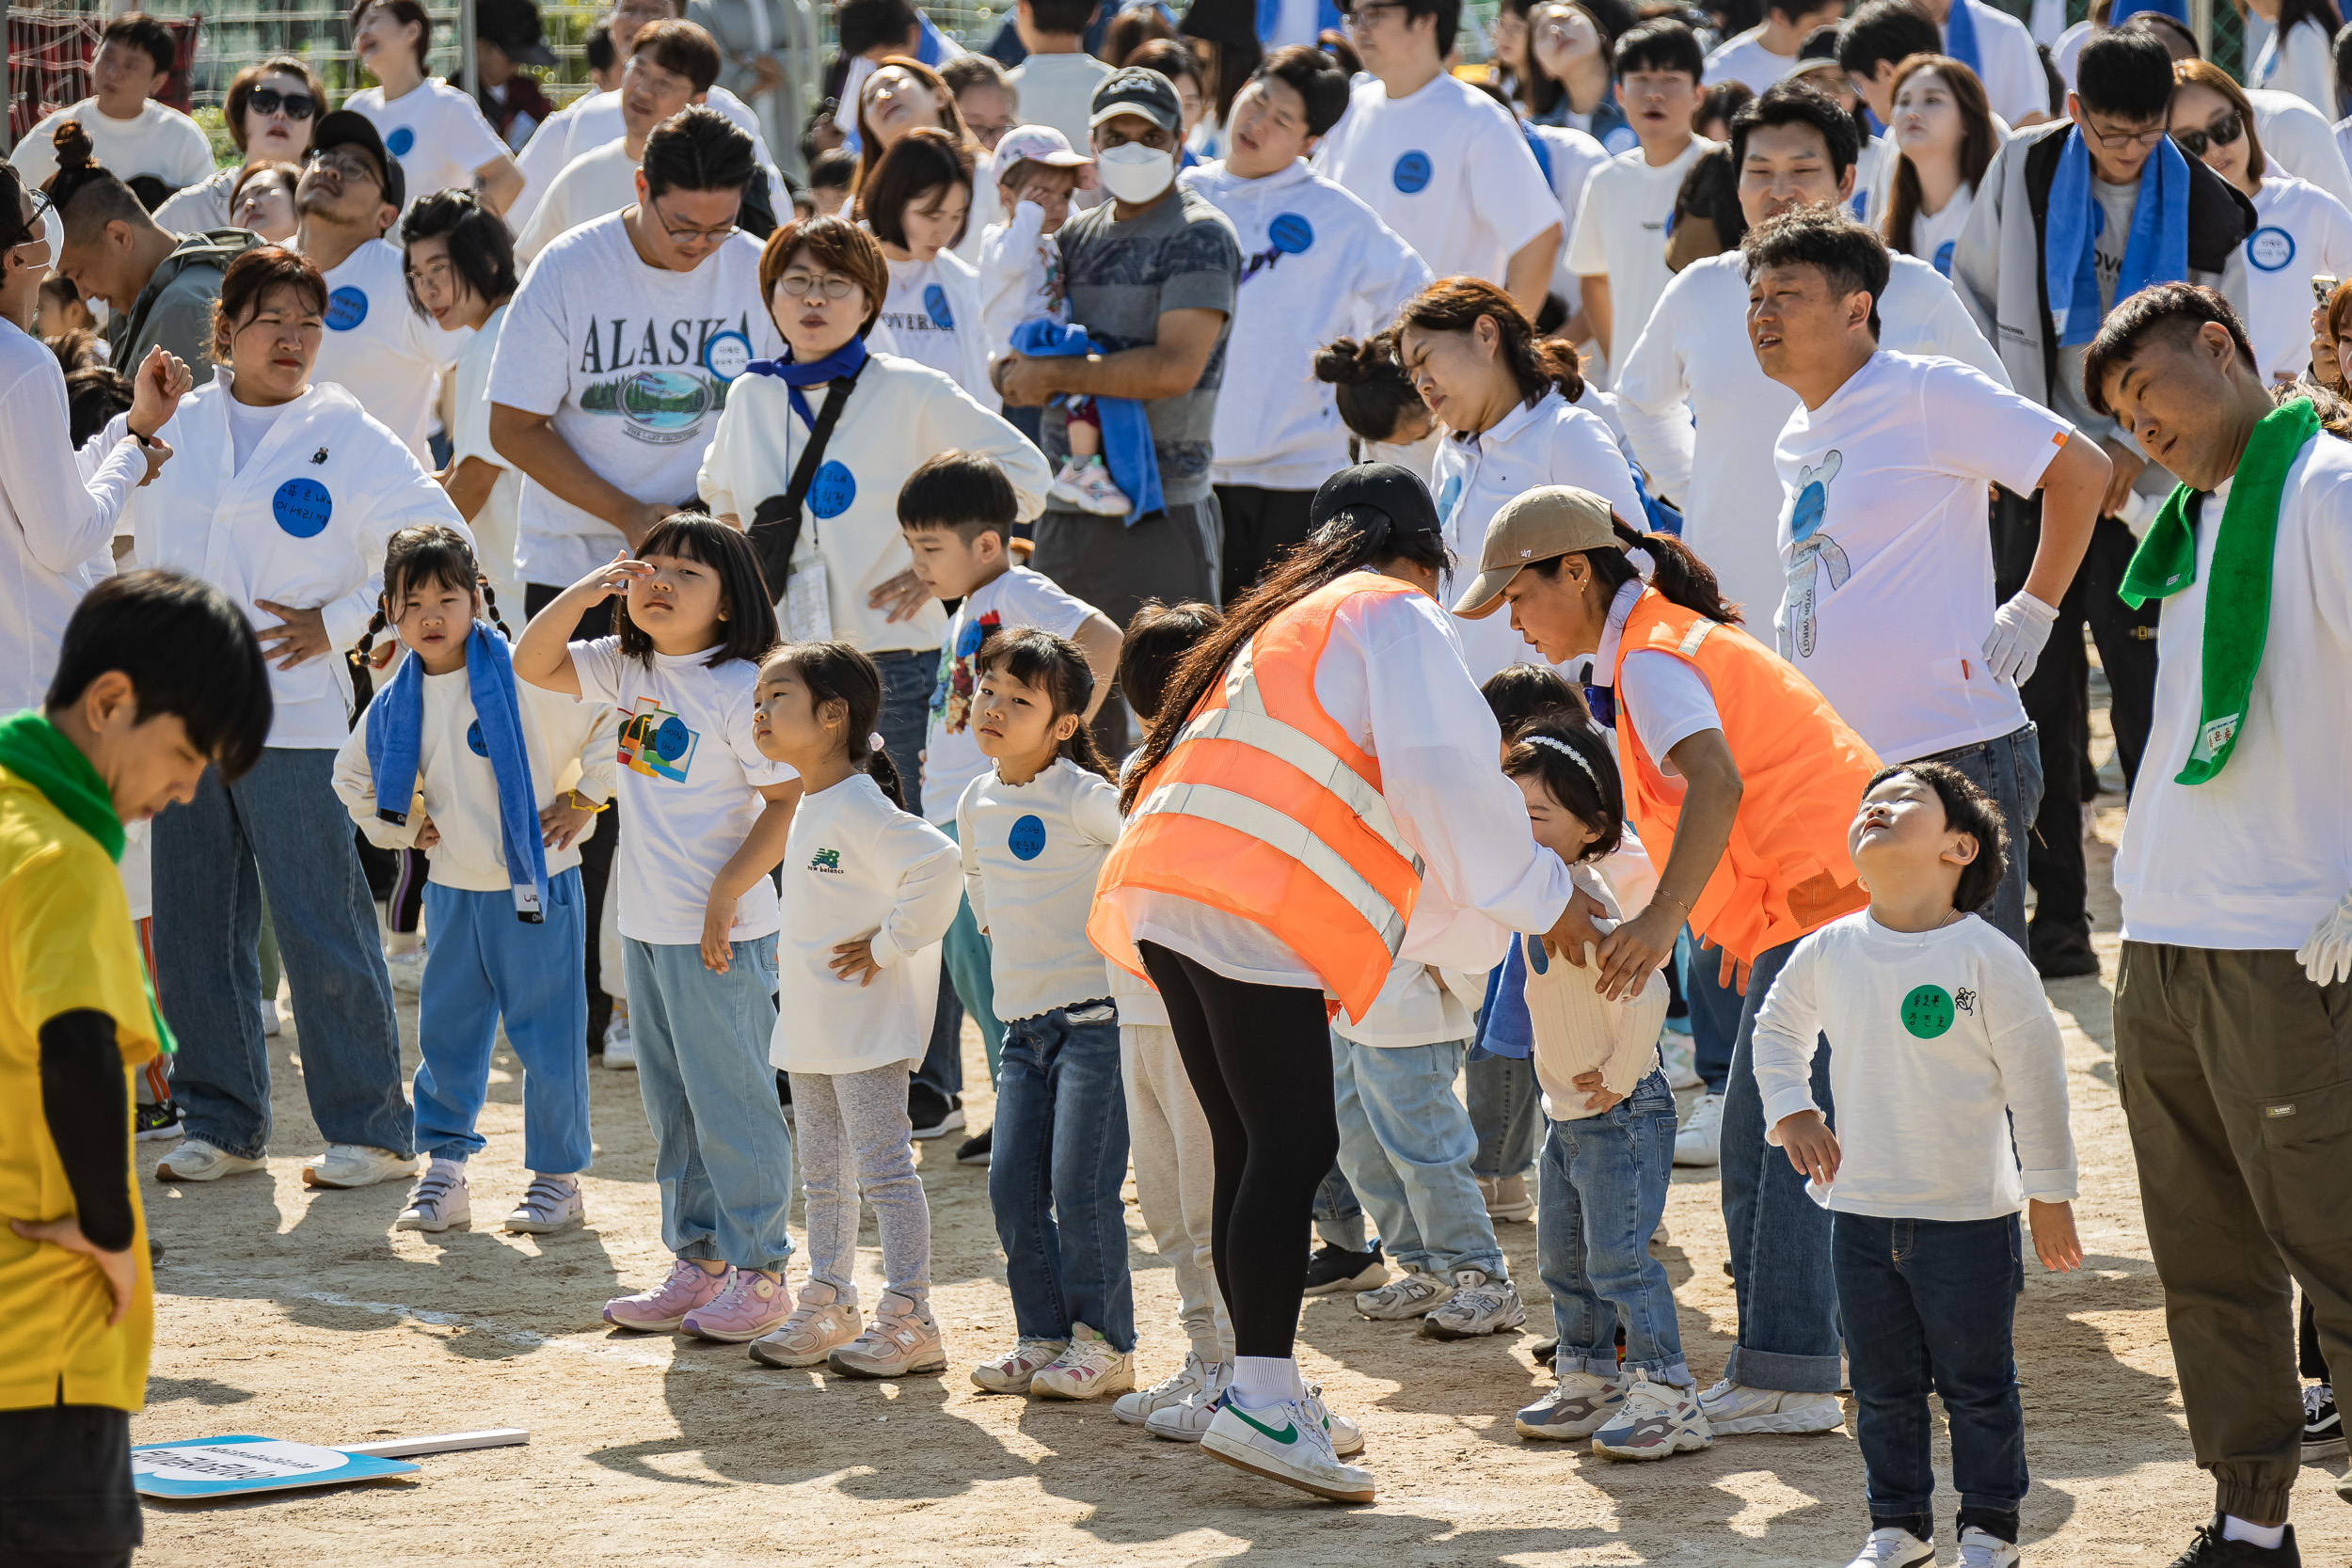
(493, 762)
(868, 893)
(1947, 1076)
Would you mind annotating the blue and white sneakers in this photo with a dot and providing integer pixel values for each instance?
(1657, 1420)
(1287, 1441)
(1579, 1404)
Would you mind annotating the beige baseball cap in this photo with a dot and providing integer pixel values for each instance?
(1548, 521)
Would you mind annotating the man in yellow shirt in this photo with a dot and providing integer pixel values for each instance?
(158, 676)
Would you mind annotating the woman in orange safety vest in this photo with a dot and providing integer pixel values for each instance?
(1742, 782)
(1317, 797)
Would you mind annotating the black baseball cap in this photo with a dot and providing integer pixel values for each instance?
(1396, 494)
(350, 128)
(1134, 90)
(514, 26)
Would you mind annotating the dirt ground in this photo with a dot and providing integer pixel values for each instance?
(297, 1315)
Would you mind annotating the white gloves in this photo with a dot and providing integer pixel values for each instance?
(2327, 955)
(2020, 627)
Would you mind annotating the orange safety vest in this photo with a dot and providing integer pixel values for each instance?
(1266, 808)
(1801, 773)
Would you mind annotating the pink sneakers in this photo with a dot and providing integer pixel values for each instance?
(664, 1309)
(751, 1306)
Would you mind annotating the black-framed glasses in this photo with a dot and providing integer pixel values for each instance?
(295, 105)
(2116, 141)
(2222, 130)
(693, 236)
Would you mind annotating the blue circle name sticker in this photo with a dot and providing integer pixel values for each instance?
(1028, 838)
(346, 307)
(1412, 173)
(832, 491)
(935, 307)
(302, 507)
(400, 141)
(671, 741)
(475, 742)
(1943, 256)
(2270, 248)
(726, 354)
(1291, 233)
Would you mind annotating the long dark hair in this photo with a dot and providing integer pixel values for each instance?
(1056, 666)
(1680, 576)
(2294, 13)
(1977, 143)
(1538, 364)
(1371, 390)
(837, 673)
(748, 629)
(1348, 542)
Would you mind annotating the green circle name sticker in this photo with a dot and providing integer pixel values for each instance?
(1928, 1011)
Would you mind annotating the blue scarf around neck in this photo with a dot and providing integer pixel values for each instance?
(1960, 38)
(396, 723)
(841, 364)
(2155, 251)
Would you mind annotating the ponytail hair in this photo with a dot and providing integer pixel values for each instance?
(1538, 364)
(1577, 770)
(1056, 666)
(837, 673)
(1370, 388)
(1680, 576)
(428, 553)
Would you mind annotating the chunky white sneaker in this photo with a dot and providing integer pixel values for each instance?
(198, 1161)
(1188, 1420)
(1412, 1296)
(271, 1020)
(1346, 1436)
(1063, 491)
(620, 1052)
(903, 1338)
(1680, 1057)
(1011, 1372)
(1981, 1548)
(1700, 1141)
(1194, 1375)
(1480, 1305)
(820, 1323)
(1097, 492)
(1579, 1404)
(1656, 1421)
(439, 1201)
(1736, 1410)
(357, 1166)
(1087, 1368)
(1507, 1197)
(1894, 1548)
(1286, 1442)
(550, 1204)
(406, 970)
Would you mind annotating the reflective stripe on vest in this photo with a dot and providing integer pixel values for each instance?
(1286, 833)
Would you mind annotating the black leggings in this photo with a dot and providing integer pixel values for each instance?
(1260, 1059)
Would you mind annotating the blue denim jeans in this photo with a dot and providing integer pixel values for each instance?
(1780, 1268)
(482, 965)
(1714, 1010)
(722, 1156)
(1928, 1305)
(1602, 1191)
(2009, 768)
(1406, 1144)
(1506, 1107)
(1339, 1218)
(1061, 1155)
(280, 828)
(967, 954)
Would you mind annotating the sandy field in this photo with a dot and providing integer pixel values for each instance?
(301, 1315)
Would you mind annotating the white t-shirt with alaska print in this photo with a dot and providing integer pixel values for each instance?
(633, 363)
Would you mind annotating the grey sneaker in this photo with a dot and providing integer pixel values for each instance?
(439, 1200)
(1480, 1305)
(1409, 1297)
(1658, 1419)
(1579, 1404)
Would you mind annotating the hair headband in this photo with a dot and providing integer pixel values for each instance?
(1566, 750)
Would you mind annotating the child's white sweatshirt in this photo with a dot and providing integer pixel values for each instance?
(1418, 1005)
(1941, 1045)
(1031, 854)
(1020, 275)
(567, 740)
(856, 865)
(1576, 1029)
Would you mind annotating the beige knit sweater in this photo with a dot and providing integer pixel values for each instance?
(1578, 1030)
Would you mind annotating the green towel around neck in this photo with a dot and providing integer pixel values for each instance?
(2237, 600)
(33, 749)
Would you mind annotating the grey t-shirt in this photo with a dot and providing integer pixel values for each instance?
(1181, 255)
(2116, 204)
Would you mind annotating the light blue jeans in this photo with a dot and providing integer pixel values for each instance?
(1506, 1106)
(481, 965)
(280, 828)
(1602, 1187)
(1060, 1158)
(1405, 1144)
(722, 1156)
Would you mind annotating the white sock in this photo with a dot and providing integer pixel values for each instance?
(2266, 1536)
(1262, 1379)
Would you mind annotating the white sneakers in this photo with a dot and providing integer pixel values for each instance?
(1410, 1296)
(1087, 1368)
(1506, 1198)
(1014, 1371)
(550, 1204)
(820, 1323)
(357, 1166)
(439, 1201)
(1736, 1410)
(271, 1021)
(198, 1161)
(1700, 1142)
(1197, 1375)
(1656, 1421)
(1981, 1548)
(1289, 1441)
(620, 1052)
(1480, 1305)
(1087, 486)
(1894, 1548)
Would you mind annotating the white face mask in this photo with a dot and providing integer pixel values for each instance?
(1134, 173)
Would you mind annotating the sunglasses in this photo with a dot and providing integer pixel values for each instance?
(2220, 133)
(269, 100)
